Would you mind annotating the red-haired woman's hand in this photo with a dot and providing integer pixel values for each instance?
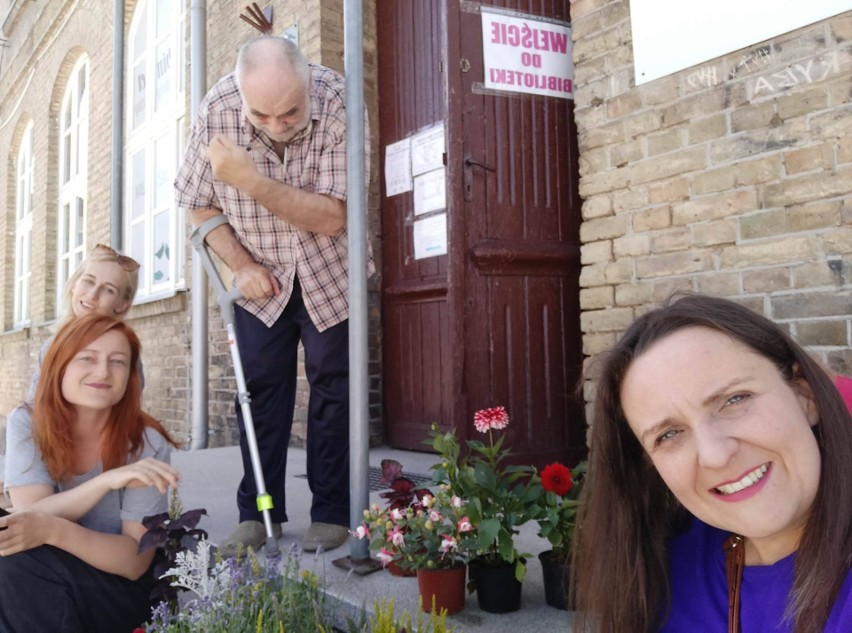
(26, 529)
(146, 472)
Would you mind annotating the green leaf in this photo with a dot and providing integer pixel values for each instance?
(505, 545)
(488, 530)
(520, 570)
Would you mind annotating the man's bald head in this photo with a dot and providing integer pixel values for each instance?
(269, 54)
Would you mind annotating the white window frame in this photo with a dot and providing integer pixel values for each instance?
(73, 173)
(23, 228)
(153, 145)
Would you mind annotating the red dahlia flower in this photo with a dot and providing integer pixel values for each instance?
(557, 478)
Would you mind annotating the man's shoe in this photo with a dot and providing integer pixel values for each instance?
(325, 535)
(247, 534)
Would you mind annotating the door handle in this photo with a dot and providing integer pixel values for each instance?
(469, 164)
(472, 162)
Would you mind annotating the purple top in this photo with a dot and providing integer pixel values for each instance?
(700, 589)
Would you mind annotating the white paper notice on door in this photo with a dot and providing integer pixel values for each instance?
(398, 168)
(430, 192)
(430, 236)
(427, 149)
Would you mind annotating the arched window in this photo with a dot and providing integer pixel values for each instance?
(153, 226)
(23, 227)
(73, 150)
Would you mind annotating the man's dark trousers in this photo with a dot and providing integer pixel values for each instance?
(269, 357)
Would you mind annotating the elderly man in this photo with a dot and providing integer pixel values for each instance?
(268, 150)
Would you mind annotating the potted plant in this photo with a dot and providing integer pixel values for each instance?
(402, 493)
(175, 532)
(500, 500)
(433, 536)
(556, 519)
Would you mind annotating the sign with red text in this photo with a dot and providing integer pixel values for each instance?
(529, 54)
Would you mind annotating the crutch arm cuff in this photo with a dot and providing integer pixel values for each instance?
(200, 233)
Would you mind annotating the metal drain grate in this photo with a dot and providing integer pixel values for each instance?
(376, 476)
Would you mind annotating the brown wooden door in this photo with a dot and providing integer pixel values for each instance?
(496, 320)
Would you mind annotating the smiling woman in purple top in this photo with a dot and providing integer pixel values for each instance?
(717, 440)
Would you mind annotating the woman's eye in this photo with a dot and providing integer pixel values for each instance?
(665, 436)
(735, 399)
(119, 362)
(109, 291)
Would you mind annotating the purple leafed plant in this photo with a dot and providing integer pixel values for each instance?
(170, 530)
(403, 491)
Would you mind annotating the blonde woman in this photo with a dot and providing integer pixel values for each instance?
(104, 283)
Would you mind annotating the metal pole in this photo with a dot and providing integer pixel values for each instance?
(356, 205)
(117, 191)
(198, 88)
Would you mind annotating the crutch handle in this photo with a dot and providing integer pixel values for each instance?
(226, 298)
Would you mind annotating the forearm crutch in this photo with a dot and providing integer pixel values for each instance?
(226, 299)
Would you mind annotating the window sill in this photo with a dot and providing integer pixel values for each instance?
(164, 302)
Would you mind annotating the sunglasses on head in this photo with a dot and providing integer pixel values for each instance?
(127, 263)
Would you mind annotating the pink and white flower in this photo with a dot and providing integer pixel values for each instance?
(465, 525)
(385, 556)
(448, 544)
(457, 502)
(396, 514)
(397, 537)
(494, 418)
(435, 516)
(362, 531)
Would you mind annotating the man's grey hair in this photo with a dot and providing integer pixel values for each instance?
(271, 50)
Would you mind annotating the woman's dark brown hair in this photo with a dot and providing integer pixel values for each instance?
(627, 514)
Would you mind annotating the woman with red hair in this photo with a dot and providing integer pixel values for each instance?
(84, 465)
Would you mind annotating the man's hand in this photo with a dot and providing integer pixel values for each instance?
(231, 163)
(256, 282)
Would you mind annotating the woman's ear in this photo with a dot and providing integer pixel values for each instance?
(806, 395)
(121, 308)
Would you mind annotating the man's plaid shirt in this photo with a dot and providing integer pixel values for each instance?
(314, 161)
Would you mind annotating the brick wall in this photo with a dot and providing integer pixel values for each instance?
(44, 42)
(731, 178)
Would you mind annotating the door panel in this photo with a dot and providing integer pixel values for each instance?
(414, 293)
(521, 231)
(496, 320)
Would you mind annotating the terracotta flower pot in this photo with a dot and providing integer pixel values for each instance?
(497, 589)
(396, 570)
(447, 587)
(555, 572)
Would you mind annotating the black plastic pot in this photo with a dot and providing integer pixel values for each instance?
(555, 573)
(497, 589)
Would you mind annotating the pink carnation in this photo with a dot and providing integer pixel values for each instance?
(495, 418)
